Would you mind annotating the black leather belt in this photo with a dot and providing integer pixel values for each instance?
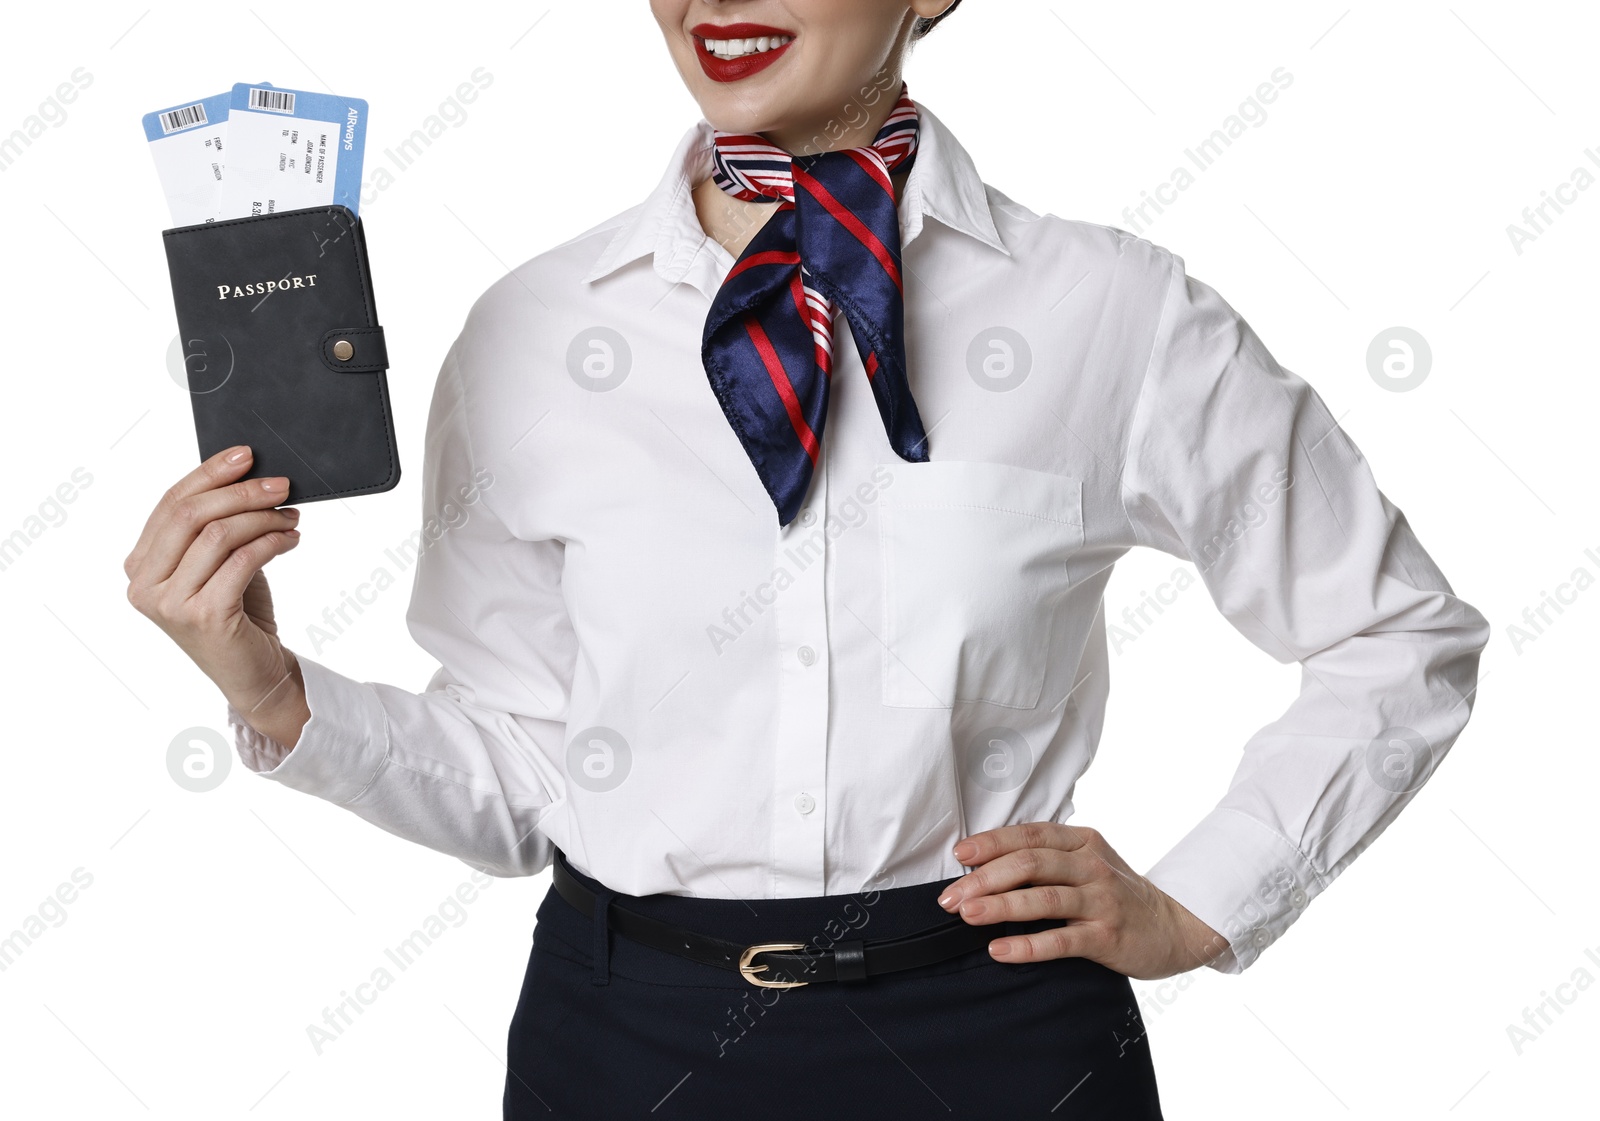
(784, 965)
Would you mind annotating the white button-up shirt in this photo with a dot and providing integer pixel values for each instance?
(638, 665)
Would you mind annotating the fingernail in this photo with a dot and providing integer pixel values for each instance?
(1000, 948)
(291, 533)
(973, 909)
(946, 899)
(271, 485)
(238, 454)
(965, 851)
(291, 512)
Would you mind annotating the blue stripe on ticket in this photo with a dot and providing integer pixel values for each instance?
(208, 111)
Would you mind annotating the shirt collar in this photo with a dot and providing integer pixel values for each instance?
(943, 184)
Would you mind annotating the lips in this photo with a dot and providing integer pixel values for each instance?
(736, 69)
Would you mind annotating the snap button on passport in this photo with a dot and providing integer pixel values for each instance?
(353, 350)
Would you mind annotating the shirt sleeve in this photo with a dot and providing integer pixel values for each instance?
(1235, 464)
(463, 767)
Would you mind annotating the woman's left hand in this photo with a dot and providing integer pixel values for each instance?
(1049, 870)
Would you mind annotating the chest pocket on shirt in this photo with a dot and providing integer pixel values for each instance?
(974, 570)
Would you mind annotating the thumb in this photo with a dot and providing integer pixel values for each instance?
(257, 603)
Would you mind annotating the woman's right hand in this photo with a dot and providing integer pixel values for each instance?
(197, 573)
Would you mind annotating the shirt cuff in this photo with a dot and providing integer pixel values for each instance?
(1241, 878)
(342, 747)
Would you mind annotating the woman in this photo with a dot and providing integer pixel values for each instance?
(796, 721)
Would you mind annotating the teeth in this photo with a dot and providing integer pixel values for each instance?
(738, 48)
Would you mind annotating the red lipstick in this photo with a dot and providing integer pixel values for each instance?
(734, 69)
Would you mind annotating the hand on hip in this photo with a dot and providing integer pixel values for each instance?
(1113, 915)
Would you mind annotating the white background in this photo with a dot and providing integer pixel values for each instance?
(1377, 193)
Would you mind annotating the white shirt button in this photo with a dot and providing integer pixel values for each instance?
(807, 517)
(806, 655)
(804, 802)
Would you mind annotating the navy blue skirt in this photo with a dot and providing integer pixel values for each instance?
(607, 1028)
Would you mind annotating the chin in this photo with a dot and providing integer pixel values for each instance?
(742, 114)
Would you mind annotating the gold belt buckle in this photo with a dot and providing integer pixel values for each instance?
(749, 971)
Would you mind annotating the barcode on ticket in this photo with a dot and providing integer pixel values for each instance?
(187, 117)
(274, 101)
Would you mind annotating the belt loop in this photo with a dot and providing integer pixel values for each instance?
(602, 936)
(849, 961)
